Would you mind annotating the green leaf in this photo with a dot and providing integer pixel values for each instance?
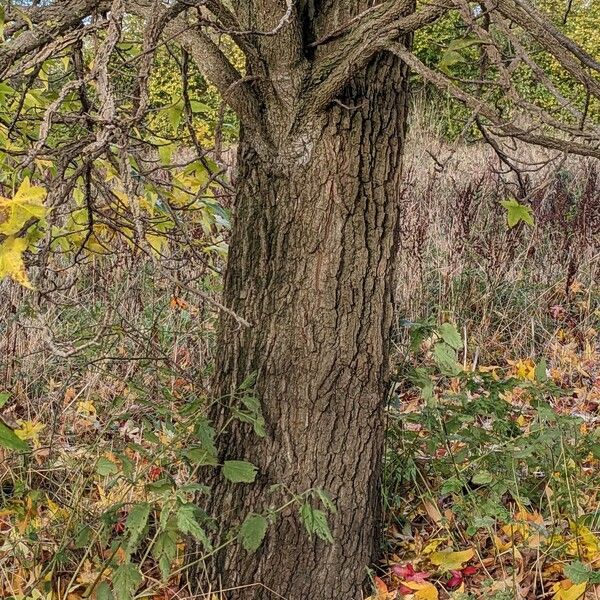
(516, 212)
(206, 435)
(253, 415)
(106, 467)
(174, 114)
(452, 56)
(579, 573)
(127, 465)
(165, 551)
(449, 59)
(422, 379)
(200, 456)
(4, 397)
(450, 335)
(187, 522)
(252, 531)
(103, 591)
(482, 478)
(126, 580)
(239, 471)
(325, 499)
(83, 537)
(445, 358)
(249, 381)
(315, 522)
(10, 440)
(136, 523)
(540, 371)
(199, 107)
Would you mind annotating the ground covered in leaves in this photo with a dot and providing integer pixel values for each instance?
(492, 474)
(491, 481)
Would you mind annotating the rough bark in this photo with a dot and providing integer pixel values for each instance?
(312, 268)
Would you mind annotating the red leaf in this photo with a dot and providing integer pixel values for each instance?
(405, 590)
(408, 573)
(455, 580)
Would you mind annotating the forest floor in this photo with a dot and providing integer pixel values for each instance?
(493, 475)
(491, 483)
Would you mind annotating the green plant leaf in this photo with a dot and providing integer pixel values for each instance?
(482, 478)
(205, 433)
(106, 467)
(579, 573)
(315, 522)
(10, 440)
(187, 522)
(103, 592)
(252, 531)
(200, 456)
(83, 537)
(450, 335)
(516, 212)
(540, 371)
(126, 580)
(445, 358)
(239, 471)
(452, 56)
(4, 397)
(325, 499)
(165, 551)
(137, 520)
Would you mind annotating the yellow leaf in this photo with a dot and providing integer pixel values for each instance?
(451, 561)
(523, 369)
(423, 589)
(586, 541)
(30, 430)
(157, 242)
(521, 421)
(27, 203)
(433, 545)
(86, 408)
(567, 590)
(11, 260)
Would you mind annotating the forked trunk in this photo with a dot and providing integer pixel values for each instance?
(312, 268)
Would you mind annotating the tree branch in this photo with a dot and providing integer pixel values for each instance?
(67, 15)
(572, 58)
(64, 16)
(211, 61)
(372, 33)
(480, 107)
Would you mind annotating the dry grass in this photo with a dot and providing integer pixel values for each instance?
(460, 261)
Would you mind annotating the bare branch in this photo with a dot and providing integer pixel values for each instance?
(480, 107)
(573, 58)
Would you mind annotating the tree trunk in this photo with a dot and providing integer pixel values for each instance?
(311, 267)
